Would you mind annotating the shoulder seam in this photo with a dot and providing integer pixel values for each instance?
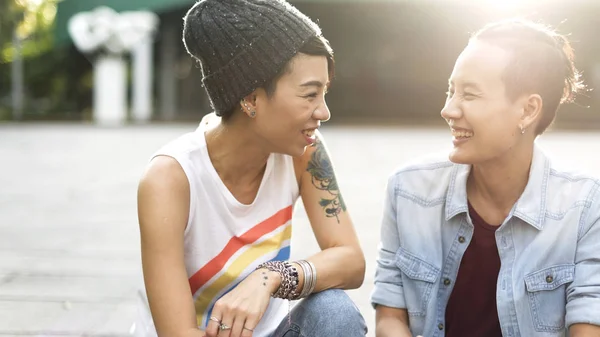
(589, 201)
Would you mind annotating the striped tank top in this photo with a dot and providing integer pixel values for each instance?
(226, 240)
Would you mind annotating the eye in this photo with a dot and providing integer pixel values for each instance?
(312, 95)
(469, 96)
(450, 93)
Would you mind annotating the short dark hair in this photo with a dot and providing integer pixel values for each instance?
(542, 63)
(315, 46)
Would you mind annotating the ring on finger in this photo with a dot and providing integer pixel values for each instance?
(214, 319)
(251, 330)
(224, 327)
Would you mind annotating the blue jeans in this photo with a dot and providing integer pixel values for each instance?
(328, 313)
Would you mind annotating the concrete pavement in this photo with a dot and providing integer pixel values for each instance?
(69, 242)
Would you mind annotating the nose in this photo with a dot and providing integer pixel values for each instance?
(451, 110)
(322, 112)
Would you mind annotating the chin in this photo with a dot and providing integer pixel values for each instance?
(460, 157)
(295, 151)
(301, 151)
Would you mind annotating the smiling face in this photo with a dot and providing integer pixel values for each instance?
(287, 119)
(484, 121)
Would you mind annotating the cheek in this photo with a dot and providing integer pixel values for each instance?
(297, 112)
(281, 120)
(499, 129)
(487, 114)
(285, 105)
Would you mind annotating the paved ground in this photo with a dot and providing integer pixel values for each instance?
(69, 245)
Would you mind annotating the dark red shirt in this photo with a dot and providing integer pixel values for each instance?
(471, 310)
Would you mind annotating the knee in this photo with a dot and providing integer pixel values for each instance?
(335, 308)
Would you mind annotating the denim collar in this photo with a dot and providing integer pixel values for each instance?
(530, 207)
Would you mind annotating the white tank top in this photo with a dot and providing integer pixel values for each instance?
(226, 240)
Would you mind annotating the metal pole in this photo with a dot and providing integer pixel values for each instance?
(168, 79)
(17, 79)
(142, 80)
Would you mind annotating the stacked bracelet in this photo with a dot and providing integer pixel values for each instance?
(310, 278)
(288, 288)
(289, 278)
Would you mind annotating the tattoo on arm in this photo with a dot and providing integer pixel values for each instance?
(323, 178)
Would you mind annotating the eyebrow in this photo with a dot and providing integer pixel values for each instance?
(466, 84)
(315, 83)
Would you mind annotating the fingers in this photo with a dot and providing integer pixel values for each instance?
(238, 326)
(249, 325)
(227, 321)
(225, 332)
(232, 321)
(212, 328)
(221, 318)
(247, 332)
(242, 326)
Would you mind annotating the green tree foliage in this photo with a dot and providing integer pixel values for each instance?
(32, 21)
(57, 80)
(11, 14)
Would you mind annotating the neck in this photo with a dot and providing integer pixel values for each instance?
(500, 182)
(236, 152)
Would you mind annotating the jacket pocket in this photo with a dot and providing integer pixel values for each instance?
(547, 294)
(418, 279)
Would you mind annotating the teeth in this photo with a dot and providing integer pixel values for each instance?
(309, 133)
(462, 134)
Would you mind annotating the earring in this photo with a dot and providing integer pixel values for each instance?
(522, 130)
(245, 104)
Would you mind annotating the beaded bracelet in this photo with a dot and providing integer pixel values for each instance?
(289, 278)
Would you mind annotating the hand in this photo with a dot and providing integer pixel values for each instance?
(242, 308)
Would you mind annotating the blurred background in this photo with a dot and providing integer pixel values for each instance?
(90, 88)
(393, 57)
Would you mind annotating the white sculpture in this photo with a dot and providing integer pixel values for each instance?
(110, 35)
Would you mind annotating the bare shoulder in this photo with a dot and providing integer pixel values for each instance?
(163, 191)
(163, 172)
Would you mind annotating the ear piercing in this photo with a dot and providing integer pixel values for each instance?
(252, 112)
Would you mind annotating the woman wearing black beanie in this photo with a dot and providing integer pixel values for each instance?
(215, 205)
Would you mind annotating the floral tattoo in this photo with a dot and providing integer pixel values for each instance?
(323, 178)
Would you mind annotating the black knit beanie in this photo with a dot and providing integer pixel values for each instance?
(242, 44)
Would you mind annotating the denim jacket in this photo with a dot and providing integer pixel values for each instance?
(549, 247)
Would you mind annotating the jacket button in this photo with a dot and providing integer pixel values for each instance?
(447, 282)
(549, 278)
(441, 326)
(461, 239)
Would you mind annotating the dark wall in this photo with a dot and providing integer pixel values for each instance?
(394, 58)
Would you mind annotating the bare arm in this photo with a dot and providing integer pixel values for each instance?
(584, 330)
(391, 322)
(163, 207)
(341, 262)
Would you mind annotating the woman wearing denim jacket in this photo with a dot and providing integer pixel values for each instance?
(496, 241)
